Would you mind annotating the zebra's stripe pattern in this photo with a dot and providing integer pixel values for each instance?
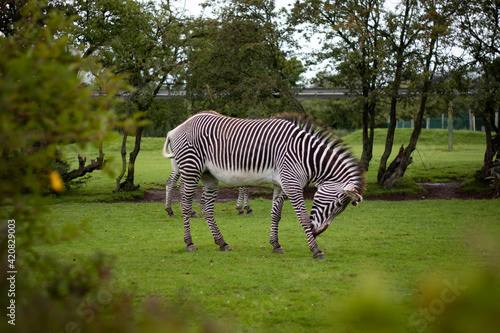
(288, 151)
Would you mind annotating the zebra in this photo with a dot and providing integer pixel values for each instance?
(242, 203)
(288, 151)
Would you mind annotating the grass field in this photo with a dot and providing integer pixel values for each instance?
(412, 266)
(253, 290)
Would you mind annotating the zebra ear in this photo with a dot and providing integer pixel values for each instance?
(354, 196)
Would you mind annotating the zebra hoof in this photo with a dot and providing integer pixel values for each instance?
(194, 215)
(279, 250)
(225, 247)
(319, 255)
(191, 248)
(170, 212)
(249, 211)
(240, 212)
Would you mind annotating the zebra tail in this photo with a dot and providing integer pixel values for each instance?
(166, 146)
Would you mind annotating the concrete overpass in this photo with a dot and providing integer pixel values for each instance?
(303, 94)
(306, 93)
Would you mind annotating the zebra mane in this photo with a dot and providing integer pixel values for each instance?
(315, 128)
(325, 134)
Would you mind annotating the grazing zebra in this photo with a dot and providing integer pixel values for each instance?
(169, 187)
(288, 151)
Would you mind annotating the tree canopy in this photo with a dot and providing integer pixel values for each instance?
(237, 63)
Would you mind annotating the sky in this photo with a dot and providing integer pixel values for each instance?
(194, 8)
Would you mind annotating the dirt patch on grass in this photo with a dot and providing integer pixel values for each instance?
(430, 191)
(433, 191)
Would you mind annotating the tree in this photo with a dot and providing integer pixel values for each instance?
(237, 64)
(354, 47)
(140, 40)
(403, 29)
(437, 17)
(335, 113)
(10, 13)
(480, 35)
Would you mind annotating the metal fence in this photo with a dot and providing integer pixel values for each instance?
(441, 122)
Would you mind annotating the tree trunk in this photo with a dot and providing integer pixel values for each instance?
(389, 141)
(83, 169)
(133, 157)
(368, 133)
(450, 126)
(492, 143)
(128, 184)
(406, 159)
(124, 161)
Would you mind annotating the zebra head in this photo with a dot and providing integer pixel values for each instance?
(329, 201)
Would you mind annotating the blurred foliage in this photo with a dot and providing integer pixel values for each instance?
(45, 104)
(372, 309)
(465, 301)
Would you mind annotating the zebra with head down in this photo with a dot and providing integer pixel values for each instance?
(288, 151)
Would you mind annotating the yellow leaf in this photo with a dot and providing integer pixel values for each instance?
(56, 182)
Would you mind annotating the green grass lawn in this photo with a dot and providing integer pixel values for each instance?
(398, 244)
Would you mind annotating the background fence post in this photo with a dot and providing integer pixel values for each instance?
(471, 121)
(450, 127)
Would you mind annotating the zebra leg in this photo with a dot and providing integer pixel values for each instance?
(278, 198)
(210, 187)
(189, 188)
(246, 199)
(296, 197)
(181, 189)
(169, 187)
(239, 203)
(203, 200)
